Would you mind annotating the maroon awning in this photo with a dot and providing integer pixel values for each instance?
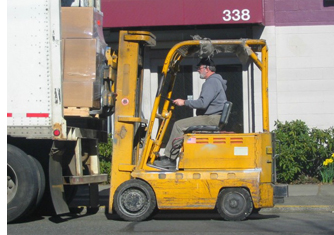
(136, 13)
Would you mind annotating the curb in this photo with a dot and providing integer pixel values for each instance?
(311, 190)
(298, 208)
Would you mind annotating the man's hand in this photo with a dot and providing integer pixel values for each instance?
(179, 102)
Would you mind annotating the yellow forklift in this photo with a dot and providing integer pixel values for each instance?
(231, 172)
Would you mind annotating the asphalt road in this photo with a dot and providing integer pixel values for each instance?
(309, 210)
(181, 223)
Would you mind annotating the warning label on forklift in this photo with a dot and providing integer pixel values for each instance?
(241, 151)
(191, 140)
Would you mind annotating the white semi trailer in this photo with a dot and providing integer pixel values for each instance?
(52, 146)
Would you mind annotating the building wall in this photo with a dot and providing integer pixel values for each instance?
(298, 12)
(301, 61)
(301, 74)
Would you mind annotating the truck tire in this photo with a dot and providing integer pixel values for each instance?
(41, 185)
(22, 183)
(234, 204)
(134, 200)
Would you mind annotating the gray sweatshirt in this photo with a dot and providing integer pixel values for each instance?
(212, 97)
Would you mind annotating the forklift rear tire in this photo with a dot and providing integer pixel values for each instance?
(134, 200)
(234, 204)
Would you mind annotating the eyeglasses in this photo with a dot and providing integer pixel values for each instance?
(203, 67)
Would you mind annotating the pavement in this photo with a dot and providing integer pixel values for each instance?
(302, 198)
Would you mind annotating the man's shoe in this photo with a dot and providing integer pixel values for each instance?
(165, 163)
(160, 158)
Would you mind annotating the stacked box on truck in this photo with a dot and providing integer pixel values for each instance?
(83, 55)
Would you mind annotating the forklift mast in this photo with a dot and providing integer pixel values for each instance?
(129, 88)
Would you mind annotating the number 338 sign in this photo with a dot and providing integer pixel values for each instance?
(236, 15)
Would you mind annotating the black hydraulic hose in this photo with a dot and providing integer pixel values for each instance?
(171, 100)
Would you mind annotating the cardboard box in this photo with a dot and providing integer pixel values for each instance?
(81, 22)
(82, 58)
(82, 94)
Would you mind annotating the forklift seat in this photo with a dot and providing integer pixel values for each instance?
(209, 129)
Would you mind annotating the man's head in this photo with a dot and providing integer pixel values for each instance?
(206, 67)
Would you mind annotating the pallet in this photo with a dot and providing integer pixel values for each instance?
(76, 111)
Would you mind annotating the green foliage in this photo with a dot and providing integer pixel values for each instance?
(105, 151)
(322, 147)
(293, 144)
(301, 150)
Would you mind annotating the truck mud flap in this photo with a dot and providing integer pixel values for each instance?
(56, 183)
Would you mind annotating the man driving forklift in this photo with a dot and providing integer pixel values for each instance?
(209, 107)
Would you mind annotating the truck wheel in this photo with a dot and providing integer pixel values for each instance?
(22, 183)
(234, 204)
(134, 200)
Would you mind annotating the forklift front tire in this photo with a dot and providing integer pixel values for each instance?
(134, 200)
